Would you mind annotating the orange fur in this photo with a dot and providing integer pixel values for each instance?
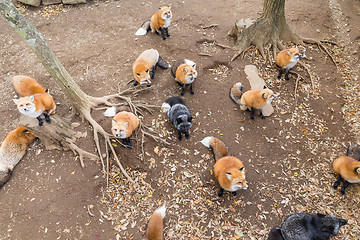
(255, 98)
(345, 167)
(155, 227)
(44, 103)
(26, 86)
(124, 123)
(156, 21)
(143, 66)
(183, 71)
(229, 170)
(283, 58)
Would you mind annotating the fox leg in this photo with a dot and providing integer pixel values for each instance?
(221, 192)
(346, 184)
(287, 75)
(261, 115)
(47, 118)
(126, 142)
(153, 71)
(252, 111)
(338, 181)
(280, 73)
(167, 32)
(40, 121)
(183, 90)
(187, 134)
(163, 33)
(180, 135)
(234, 193)
(191, 89)
(136, 83)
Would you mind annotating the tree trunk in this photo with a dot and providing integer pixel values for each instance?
(269, 29)
(37, 43)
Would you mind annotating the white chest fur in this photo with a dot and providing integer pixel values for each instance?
(167, 22)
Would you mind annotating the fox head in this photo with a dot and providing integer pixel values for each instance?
(143, 77)
(120, 129)
(331, 224)
(237, 178)
(268, 95)
(183, 123)
(25, 105)
(294, 54)
(190, 73)
(165, 12)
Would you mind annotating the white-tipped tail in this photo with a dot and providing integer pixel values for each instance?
(110, 112)
(206, 141)
(161, 210)
(165, 107)
(140, 32)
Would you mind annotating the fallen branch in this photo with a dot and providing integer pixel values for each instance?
(210, 26)
(320, 45)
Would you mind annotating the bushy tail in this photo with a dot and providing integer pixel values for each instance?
(165, 107)
(145, 27)
(353, 151)
(161, 210)
(163, 64)
(236, 92)
(4, 177)
(112, 111)
(155, 226)
(218, 147)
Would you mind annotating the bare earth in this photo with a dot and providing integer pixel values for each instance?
(288, 156)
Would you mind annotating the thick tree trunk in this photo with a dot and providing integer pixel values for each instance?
(37, 43)
(269, 29)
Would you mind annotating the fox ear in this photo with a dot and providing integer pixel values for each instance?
(264, 95)
(15, 100)
(288, 52)
(26, 131)
(126, 124)
(357, 170)
(242, 169)
(31, 97)
(113, 122)
(147, 71)
(138, 74)
(264, 87)
(185, 70)
(169, 7)
(228, 176)
(194, 66)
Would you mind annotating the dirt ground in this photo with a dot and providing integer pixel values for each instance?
(288, 156)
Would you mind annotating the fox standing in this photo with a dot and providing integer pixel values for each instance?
(184, 72)
(155, 228)
(287, 59)
(229, 170)
(347, 168)
(145, 65)
(35, 101)
(159, 22)
(12, 150)
(124, 123)
(251, 99)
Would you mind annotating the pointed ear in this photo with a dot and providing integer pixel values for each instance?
(288, 52)
(147, 70)
(113, 122)
(228, 176)
(194, 66)
(47, 90)
(264, 87)
(242, 169)
(31, 97)
(169, 7)
(264, 95)
(126, 124)
(185, 70)
(138, 74)
(15, 100)
(357, 170)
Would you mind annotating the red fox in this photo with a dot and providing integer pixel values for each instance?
(287, 59)
(184, 72)
(145, 65)
(26, 86)
(124, 123)
(251, 99)
(155, 226)
(12, 150)
(36, 106)
(229, 171)
(348, 169)
(160, 21)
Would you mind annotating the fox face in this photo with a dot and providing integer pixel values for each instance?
(119, 129)
(269, 95)
(190, 73)
(26, 106)
(237, 179)
(165, 13)
(144, 77)
(183, 123)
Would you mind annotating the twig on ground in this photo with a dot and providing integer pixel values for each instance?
(205, 54)
(221, 45)
(210, 26)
